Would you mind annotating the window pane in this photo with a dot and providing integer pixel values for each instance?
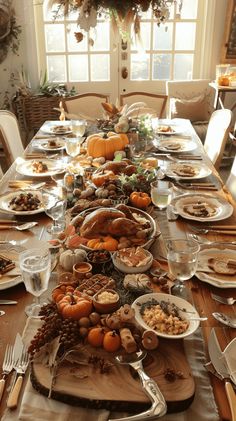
(162, 36)
(161, 66)
(54, 38)
(183, 66)
(185, 36)
(56, 68)
(140, 64)
(101, 37)
(72, 44)
(50, 14)
(189, 9)
(78, 68)
(100, 67)
(145, 30)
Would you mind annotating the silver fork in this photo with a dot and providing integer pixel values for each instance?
(7, 367)
(20, 367)
(224, 300)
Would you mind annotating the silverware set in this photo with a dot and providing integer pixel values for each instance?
(16, 358)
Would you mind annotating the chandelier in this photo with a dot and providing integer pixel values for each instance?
(123, 14)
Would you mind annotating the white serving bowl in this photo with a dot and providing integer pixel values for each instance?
(186, 311)
(132, 269)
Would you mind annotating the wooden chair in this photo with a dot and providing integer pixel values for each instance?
(217, 135)
(231, 180)
(155, 101)
(87, 105)
(10, 136)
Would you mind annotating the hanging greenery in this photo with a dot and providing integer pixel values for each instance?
(9, 32)
(122, 13)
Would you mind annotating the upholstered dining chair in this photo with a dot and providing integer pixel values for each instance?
(10, 137)
(87, 105)
(217, 135)
(231, 180)
(155, 101)
(191, 99)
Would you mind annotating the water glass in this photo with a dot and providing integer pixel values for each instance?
(78, 127)
(182, 255)
(35, 266)
(55, 208)
(161, 193)
(73, 145)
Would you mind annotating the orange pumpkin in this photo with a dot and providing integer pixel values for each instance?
(74, 307)
(103, 243)
(111, 341)
(99, 178)
(95, 336)
(140, 199)
(102, 144)
(59, 292)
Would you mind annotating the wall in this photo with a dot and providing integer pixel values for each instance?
(27, 58)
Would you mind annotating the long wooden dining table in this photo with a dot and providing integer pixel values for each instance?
(14, 319)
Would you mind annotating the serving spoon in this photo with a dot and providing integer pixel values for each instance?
(21, 227)
(149, 386)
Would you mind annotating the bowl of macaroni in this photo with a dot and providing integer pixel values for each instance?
(166, 315)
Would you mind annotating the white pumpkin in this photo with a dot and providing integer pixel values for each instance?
(69, 258)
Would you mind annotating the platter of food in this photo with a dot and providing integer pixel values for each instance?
(187, 170)
(50, 145)
(166, 315)
(22, 202)
(39, 168)
(57, 127)
(203, 207)
(176, 145)
(125, 225)
(217, 266)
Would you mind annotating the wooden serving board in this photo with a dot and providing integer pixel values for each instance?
(120, 389)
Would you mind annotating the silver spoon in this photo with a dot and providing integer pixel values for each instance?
(21, 227)
(14, 242)
(149, 386)
(225, 319)
(205, 241)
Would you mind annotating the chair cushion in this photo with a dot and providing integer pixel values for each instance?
(195, 109)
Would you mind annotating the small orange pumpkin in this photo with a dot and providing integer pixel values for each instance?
(103, 243)
(102, 144)
(111, 341)
(74, 307)
(99, 178)
(59, 292)
(140, 199)
(96, 336)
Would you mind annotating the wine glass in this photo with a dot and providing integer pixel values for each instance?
(35, 266)
(161, 193)
(54, 207)
(182, 255)
(73, 146)
(78, 127)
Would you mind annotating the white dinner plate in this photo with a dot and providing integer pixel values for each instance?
(43, 144)
(176, 145)
(6, 198)
(200, 170)
(57, 127)
(223, 209)
(182, 304)
(212, 278)
(25, 168)
(13, 277)
(168, 130)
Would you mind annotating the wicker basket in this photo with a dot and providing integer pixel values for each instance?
(33, 111)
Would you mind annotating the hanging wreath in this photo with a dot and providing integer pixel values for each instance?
(9, 31)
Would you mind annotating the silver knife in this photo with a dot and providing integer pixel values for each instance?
(8, 302)
(219, 362)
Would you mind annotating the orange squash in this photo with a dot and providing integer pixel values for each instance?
(99, 178)
(111, 341)
(74, 307)
(102, 144)
(103, 243)
(59, 292)
(95, 336)
(140, 199)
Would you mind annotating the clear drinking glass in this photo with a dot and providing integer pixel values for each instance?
(161, 193)
(78, 127)
(182, 258)
(54, 207)
(73, 145)
(35, 266)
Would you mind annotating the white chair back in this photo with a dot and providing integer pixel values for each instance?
(156, 102)
(10, 136)
(217, 135)
(231, 180)
(87, 106)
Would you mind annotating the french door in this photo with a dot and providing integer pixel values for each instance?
(99, 62)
